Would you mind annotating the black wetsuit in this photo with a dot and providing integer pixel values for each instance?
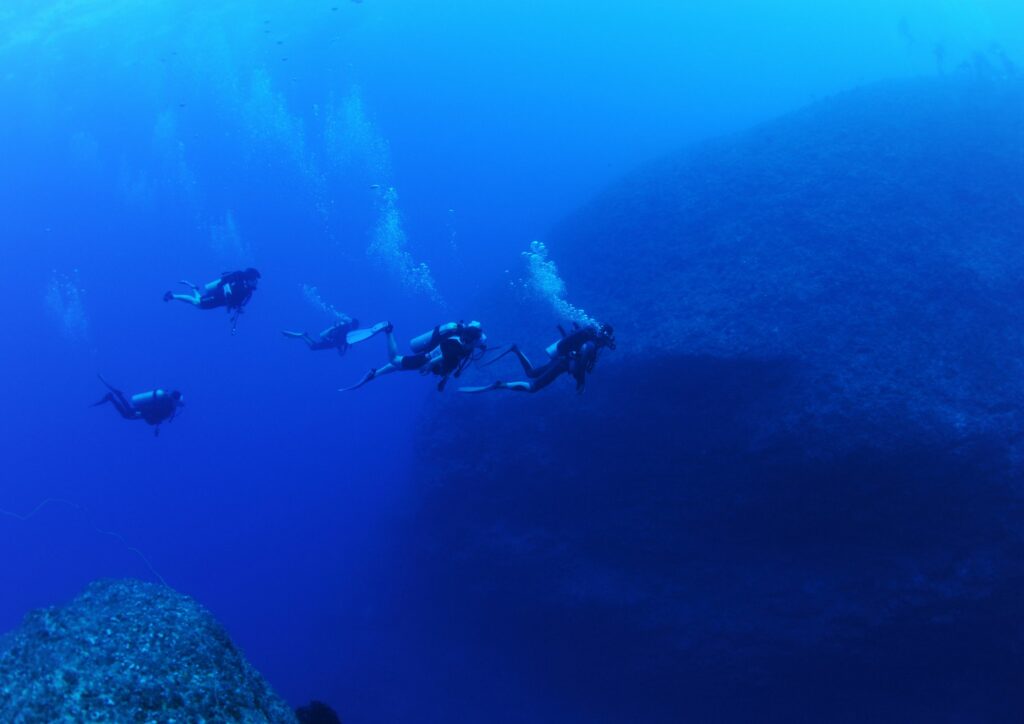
(334, 338)
(575, 353)
(154, 407)
(576, 362)
(455, 353)
(232, 291)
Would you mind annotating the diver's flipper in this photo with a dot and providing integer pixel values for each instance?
(108, 385)
(361, 335)
(294, 335)
(369, 376)
(488, 388)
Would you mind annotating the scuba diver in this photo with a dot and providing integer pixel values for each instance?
(232, 290)
(575, 353)
(155, 407)
(444, 351)
(334, 337)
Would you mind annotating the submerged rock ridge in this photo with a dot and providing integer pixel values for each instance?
(127, 651)
(798, 479)
(872, 239)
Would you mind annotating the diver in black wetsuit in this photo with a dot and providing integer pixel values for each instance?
(575, 353)
(443, 351)
(334, 337)
(232, 290)
(154, 407)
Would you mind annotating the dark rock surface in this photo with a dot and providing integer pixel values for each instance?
(794, 492)
(873, 239)
(126, 651)
(316, 712)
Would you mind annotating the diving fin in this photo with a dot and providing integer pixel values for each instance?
(487, 388)
(293, 335)
(361, 335)
(369, 376)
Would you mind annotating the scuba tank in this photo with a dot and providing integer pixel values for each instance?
(156, 405)
(429, 340)
(148, 400)
(422, 343)
(570, 341)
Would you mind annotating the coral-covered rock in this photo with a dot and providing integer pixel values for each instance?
(128, 651)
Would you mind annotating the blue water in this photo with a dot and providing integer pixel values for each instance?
(386, 159)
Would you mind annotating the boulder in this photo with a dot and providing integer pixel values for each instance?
(126, 651)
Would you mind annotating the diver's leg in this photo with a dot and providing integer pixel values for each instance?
(115, 397)
(371, 375)
(109, 397)
(124, 403)
(530, 387)
(304, 336)
(393, 355)
(193, 298)
(387, 370)
(514, 386)
(123, 407)
(544, 376)
(528, 367)
(548, 374)
(396, 362)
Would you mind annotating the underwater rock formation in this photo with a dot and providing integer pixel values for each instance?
(316, 712)
(793, 492)
(871, 240)
(130, 651)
